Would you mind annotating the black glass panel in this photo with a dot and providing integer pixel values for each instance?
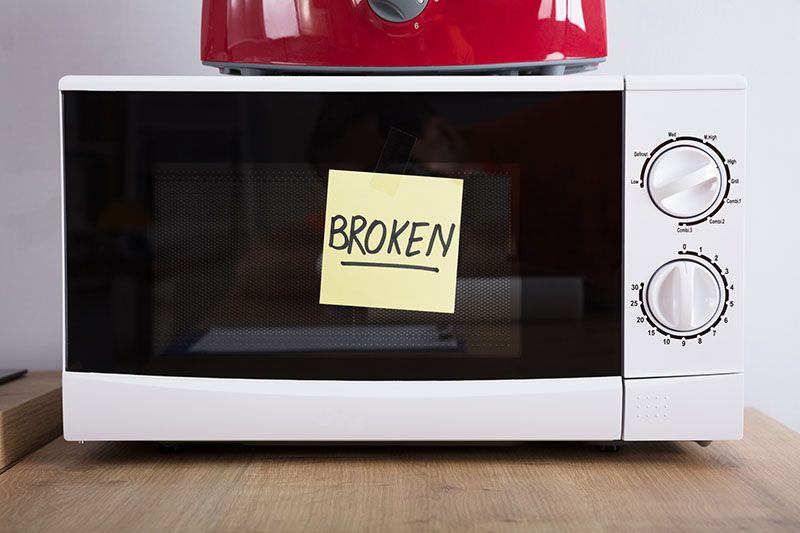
(194, 226)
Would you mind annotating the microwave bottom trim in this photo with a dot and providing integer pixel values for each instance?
(118, 407)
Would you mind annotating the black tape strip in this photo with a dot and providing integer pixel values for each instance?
(396, 152)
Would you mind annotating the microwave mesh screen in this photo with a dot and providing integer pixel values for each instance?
(237, 256)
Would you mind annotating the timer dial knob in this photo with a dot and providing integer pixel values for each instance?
(685, 179)
(684, 296)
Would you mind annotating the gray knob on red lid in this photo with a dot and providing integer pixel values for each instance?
(397, 10)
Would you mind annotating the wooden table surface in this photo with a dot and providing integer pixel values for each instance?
(30, 414)
(749, 484)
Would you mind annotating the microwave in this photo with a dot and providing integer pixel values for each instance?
(592, 292)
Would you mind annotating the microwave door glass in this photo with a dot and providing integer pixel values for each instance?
(196, 223)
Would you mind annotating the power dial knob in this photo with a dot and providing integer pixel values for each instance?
(685, 296)
(685, 179)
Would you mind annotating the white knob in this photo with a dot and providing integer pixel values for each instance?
(684, 296)
(685, 179)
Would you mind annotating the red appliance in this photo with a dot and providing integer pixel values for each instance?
(403, 36)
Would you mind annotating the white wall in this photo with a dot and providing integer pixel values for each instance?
(44, 39)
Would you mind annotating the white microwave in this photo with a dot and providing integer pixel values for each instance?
(595, 294)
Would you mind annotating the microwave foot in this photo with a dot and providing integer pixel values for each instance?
(169, 447)
(607, 447)
(704, 443)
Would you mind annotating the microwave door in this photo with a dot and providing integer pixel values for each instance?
(195, 226)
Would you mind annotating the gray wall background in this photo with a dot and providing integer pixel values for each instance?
(42, 40)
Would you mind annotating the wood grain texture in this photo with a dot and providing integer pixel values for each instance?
(30, 414)
(750, 484)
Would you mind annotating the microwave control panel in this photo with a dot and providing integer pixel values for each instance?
(684, 226)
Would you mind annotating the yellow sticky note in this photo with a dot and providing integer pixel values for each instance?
(391, 241)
